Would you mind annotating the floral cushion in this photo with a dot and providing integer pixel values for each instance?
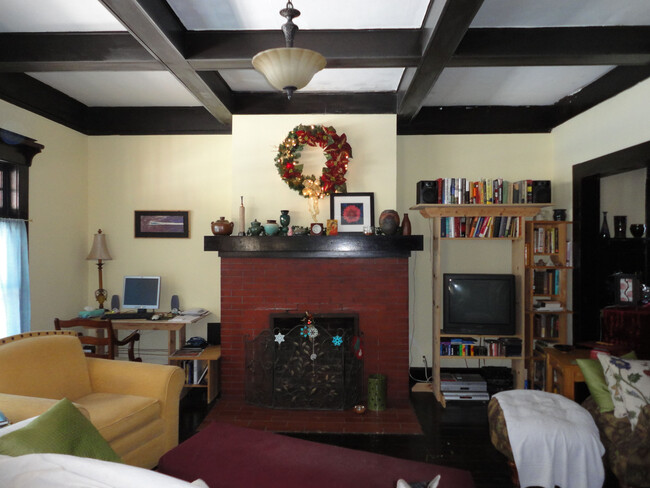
(629, 383)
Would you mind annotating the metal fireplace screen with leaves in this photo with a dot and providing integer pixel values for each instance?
(305, 362)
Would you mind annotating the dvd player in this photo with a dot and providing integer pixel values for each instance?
(466, 395)
(462, 382)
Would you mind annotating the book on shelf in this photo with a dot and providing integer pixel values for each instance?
(188, 351)
(484, 191)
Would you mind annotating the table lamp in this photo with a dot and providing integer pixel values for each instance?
(99, 251)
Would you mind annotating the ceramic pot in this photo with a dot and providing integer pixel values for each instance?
(637, 230)
(406, 225)
(389, 222)
(255, 229)
(222, 227)
(559, 214)
(271, 227)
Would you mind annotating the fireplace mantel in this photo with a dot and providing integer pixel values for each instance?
(340, 246)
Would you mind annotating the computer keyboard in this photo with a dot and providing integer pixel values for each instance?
(127, 315)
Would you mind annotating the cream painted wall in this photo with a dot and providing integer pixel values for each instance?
(58, 201)
(159, 173)
(512, 157)
(255, 145)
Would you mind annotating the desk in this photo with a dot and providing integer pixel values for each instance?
(174, 327)
(562, 371)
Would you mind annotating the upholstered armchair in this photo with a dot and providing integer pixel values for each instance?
(133, 405)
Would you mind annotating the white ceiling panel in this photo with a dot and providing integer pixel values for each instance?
(335, 80)
(333, 14)
(562, 13)
(120, 89)
(56, 16)
(535, 85)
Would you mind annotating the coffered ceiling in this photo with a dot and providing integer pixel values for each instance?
(443, 66)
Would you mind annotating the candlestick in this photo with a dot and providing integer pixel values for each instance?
(242, 218)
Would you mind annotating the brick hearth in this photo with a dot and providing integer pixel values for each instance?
(376, 289)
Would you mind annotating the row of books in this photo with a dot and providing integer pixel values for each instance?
(479, 226)
(546, 326)
(195, 371)
(484, 191)
(492, 347)
(546, 282)
(546, 240)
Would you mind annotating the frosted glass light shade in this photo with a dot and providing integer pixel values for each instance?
(289, 67)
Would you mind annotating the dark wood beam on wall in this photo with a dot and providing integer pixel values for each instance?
(442, 34)
(554, 46)
(74, 51)
(155, 26)
(319, 103)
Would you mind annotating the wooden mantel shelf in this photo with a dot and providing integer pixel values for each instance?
(340, 246)
(429, 210)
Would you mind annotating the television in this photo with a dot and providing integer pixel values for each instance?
(479, 304)
(141, 292)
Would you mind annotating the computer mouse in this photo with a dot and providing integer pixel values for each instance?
(155, 317)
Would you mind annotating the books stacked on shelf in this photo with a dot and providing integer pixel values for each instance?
(477, 227)
(461, 347)
(194, 370)
(546, 282)
(484, 191)
(467, 347)
(546, 240)
(546, 326)
(504, 347)
(188, 352)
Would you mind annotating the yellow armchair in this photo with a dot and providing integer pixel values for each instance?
(133, 405)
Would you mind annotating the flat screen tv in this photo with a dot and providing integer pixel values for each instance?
(141, 292)
(479, 304)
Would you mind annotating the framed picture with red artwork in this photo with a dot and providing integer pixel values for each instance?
(628, 289)
(353, 211)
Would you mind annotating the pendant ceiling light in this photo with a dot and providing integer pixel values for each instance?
(289, 68)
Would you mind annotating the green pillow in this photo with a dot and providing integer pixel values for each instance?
(595, 379)
(63, 429)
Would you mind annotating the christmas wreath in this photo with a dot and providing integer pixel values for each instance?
(337, 154)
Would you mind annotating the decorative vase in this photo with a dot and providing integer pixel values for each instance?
(637, 230)
(406, 225)
(285, 220)
(389, 222)
(620, 226)
(222, 227)
(559, 214)
(604, 229)
(271, 227)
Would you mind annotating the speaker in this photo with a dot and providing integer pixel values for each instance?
(427, 192)
(541, 191)
(115, 303)
(175, 305)
(214, 333)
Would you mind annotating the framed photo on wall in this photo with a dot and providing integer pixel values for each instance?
(628, 289)
(353, 211)
(162, 223)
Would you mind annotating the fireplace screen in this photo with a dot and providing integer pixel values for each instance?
(305, 362)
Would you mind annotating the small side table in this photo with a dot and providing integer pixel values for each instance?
(211, 356)
(562, 371)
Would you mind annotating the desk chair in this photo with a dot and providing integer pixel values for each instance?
(105, 339)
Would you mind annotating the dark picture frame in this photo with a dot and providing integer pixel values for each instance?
(628, 289)
(162, 223)
(353, 211)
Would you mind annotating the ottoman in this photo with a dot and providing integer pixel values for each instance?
(224, 455)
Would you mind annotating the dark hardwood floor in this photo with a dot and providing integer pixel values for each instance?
(455, 436)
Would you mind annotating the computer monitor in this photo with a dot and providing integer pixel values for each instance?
(141, 292)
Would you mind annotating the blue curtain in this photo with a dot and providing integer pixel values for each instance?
(15, 310)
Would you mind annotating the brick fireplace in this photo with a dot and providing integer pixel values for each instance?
(261, 276)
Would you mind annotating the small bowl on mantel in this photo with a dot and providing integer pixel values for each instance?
(359, 409)
(637, 230)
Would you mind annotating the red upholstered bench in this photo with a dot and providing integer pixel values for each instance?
(223, 455)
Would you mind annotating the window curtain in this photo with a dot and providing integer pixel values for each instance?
(15, 309)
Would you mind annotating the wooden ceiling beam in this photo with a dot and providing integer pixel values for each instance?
(156, 27)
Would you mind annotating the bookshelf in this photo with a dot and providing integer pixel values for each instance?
(207, 362)
(518, 212)
(547, 271)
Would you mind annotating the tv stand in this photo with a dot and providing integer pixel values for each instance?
(517, 212)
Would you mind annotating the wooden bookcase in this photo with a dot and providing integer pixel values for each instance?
(518, 211)
(547, 273)
(210, 359)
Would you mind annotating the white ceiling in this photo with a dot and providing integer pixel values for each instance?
(456, 86)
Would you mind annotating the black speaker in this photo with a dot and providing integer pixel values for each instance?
(427, 192)
(541, 191)
(175, 305)
(214, 333)
(115, 303)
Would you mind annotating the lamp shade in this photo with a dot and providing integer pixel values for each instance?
(289, 67)
(99, 249)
